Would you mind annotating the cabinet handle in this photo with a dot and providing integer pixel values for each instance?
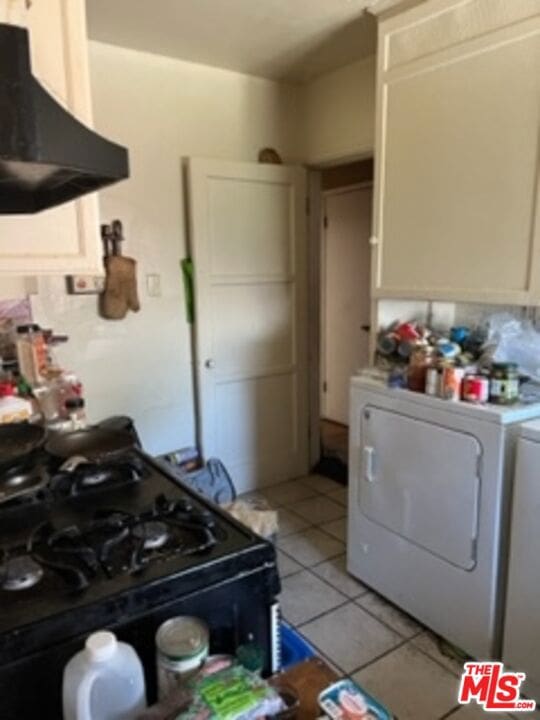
(369, 463)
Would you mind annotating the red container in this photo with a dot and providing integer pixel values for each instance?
(476, 389)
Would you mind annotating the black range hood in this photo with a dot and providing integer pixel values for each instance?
(47, 156)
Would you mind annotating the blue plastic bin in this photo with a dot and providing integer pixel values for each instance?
(294, 647)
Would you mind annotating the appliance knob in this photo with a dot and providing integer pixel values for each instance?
(210, 364)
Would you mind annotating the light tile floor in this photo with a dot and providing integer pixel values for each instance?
(358, 632)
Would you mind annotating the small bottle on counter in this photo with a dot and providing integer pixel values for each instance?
(433, 381)
(451, 382)
(421, 359)
(77, 413)
(31, 352)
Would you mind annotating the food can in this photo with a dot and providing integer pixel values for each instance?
(432, 381)
(181, 649)
(451, 382)
(475, 389)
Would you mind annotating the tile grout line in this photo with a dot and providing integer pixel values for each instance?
(324, 655)
(323, 522)
(379, 657)
(353, 600)
(308, 567)
(299, 626)
(435, 660)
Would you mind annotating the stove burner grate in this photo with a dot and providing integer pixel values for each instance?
(85, 477)
(168, 529)
(113, 543)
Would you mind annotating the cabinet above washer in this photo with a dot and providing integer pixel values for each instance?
(457, 198)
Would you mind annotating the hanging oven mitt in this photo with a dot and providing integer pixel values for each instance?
(120, 294)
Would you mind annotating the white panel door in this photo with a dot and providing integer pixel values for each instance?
(421, 481)
(345, 292)
(249, 251)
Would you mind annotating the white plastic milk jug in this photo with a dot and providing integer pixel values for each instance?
(105, 681)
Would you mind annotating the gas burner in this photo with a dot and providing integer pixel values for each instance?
(20, 573)
(87, 477)
(94, 476)
(22, 485)
(169, 528)
(154, 534)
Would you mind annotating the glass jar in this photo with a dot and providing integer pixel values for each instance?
(31, 352)
(421, 359)
(504, 383)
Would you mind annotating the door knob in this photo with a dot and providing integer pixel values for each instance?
(210, 364)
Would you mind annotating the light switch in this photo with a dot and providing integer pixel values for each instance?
(153, 285)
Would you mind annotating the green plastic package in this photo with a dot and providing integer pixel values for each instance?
(232, 694)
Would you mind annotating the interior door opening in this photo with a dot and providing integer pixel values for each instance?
(344, 308)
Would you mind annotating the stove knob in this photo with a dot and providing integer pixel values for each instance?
(210, 364)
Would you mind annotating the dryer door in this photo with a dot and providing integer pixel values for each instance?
(421, 481)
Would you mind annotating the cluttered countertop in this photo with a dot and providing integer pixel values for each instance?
(492, 367)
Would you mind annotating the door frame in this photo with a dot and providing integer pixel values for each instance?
(315, 233)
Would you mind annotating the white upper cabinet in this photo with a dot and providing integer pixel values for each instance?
(458, 123)
(64, 239)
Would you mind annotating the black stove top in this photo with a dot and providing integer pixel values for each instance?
(98, 538)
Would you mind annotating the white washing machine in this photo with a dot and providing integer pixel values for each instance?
(429, 490)
(521, 645)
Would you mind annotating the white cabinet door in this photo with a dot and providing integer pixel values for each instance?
(64, 239)
(249, 249)
(458, 153)
(421, 481)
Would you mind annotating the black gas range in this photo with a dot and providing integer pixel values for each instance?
(122, 546)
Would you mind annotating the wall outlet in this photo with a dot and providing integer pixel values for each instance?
(85, 284)
(153, 285)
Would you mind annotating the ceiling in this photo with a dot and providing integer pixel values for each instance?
(291, 40)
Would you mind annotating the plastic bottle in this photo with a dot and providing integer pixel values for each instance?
(77, 414)
(105, 681)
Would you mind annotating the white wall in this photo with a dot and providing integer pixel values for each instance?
(162, 110)
(339, 113)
